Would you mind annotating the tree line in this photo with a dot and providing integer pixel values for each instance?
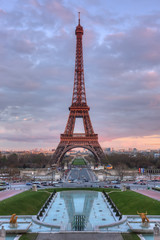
(41, 160)
(129, 161)
(24, 161)
(134, 161)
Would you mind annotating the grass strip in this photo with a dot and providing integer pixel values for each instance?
(130, 202)
(79, 162)
(130, 236)
(29, 236)
(26, 203)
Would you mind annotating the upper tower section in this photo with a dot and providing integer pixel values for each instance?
(79, 94)
(79, 28)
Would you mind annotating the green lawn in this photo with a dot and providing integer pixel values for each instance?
(129, 236)
(29, 236)
(79, 161)
(24, 203)
(130, 202)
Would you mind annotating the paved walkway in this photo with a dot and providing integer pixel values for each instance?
(9, 193)
(150, 193)
(79, 236)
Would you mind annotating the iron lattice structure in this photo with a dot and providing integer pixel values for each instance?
(79, 109)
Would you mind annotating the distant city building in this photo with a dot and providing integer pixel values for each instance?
(107, 149)
(156, 155)
(131, 151)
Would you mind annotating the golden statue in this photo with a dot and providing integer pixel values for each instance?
(143, 217)
(13, 219)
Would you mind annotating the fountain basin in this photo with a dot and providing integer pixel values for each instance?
(138, 227)
(22, 227)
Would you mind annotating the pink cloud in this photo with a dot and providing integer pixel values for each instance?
(57, 8)
(151, 79)
(155, 102)
(145, 142)
(2, 12)
(34, 3)
(117, 35)
(89, 38)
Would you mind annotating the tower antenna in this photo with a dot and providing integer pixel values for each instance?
(79, 18)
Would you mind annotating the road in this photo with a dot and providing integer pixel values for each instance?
(84, 177)
(81, 174)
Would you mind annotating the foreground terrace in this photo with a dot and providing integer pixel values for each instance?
(33, 207)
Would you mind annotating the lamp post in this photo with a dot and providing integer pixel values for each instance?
(34, 175)
(52, 176)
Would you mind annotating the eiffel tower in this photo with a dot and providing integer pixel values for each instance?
(79, 109)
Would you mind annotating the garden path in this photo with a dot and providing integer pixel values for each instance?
(150, 193)
(9, 193)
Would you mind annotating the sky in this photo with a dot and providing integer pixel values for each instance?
(121, 50)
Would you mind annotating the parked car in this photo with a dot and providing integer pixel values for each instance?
(86, 180)
(135, 182)
(44, 184)
(142, 183)
(115, 186)
(116, 181)
(106, 186)
(37, 183)
(3, 183)
(57, 185)
(28, 184)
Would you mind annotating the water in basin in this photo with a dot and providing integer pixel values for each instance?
(148, 237)
(7, 226)
(85, 203)
(10, 236)
(139, 225)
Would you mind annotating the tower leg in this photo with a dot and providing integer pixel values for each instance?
(100, 154)
(58, 154)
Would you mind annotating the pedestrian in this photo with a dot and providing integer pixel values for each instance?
(156, 230)
(2, 233)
